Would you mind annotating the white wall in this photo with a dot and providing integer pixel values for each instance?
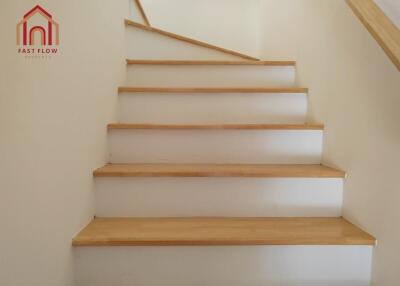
(232, 24)
(355, 91)
(53, 115)
(391, 8)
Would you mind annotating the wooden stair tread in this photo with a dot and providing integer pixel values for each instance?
(218, 170)
(212, 89)
(188, 40)
(221, 231)
(116, 126)
(209, 63)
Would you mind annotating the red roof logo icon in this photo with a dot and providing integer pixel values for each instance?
(49, 32)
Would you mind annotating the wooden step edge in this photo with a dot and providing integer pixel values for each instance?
(188, 40)
(134, 126)
(218, 170)
(213, 90)
(220, 231)
(209, 63)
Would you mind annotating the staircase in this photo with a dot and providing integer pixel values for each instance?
(214, 178)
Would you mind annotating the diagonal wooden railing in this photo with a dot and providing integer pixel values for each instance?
(142, 13)
(189, 40)
(150, 28)
(385, 32)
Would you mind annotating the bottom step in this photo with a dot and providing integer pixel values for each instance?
(221, 231)
(224, 266)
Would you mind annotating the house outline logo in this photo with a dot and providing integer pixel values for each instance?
(49, 35)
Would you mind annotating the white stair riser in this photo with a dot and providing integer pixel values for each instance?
(212, 108)
(224, 266)
(232, 197)
(146, 45)
(210, 76)
(215, 146)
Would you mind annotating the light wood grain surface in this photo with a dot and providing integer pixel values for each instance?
(209, 63)
(116, 126)
(218, 170)
(213, 89)
(221, 231)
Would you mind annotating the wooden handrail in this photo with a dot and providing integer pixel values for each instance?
(188, 40)
(385, 32)
(141, 10)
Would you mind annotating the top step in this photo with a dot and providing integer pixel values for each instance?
(209, 63)
(189, 40)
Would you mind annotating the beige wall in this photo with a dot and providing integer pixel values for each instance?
(53, 115)
(355, 91)
(232, 24)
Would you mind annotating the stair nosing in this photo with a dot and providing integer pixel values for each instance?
(147, 126)
(278, 63)
(213, 231)
(218, 170)
(127, 89)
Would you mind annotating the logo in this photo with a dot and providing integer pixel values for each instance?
(38, 34)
